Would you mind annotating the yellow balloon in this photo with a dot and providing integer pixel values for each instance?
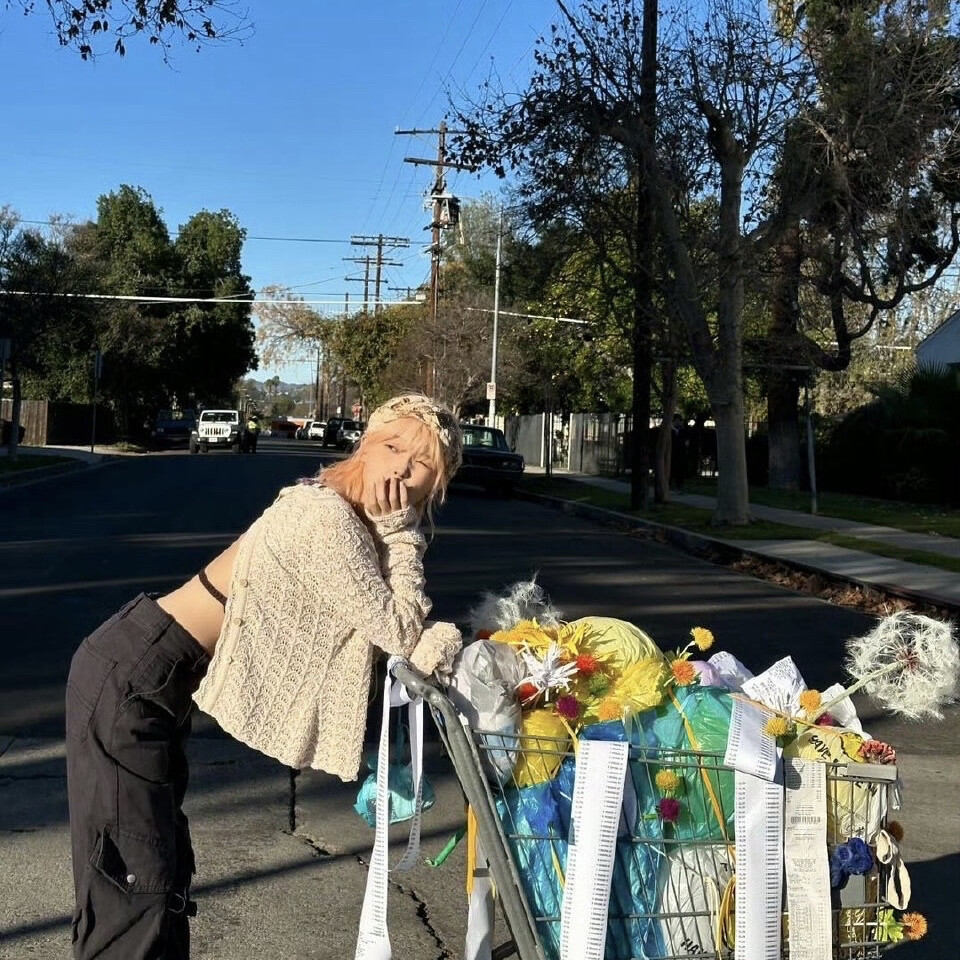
(616, 642)
(544, 742)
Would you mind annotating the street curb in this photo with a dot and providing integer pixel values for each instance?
(722, 551)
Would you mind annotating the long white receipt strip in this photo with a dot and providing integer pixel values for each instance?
(758, 813)
(595, 816)
(805, 859)
(373, 940)
(750, 749)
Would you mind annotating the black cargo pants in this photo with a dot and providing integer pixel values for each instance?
(128, 720)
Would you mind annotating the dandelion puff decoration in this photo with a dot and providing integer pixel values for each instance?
(909, 663)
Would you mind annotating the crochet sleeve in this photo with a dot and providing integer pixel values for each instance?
(400, 548)
(381, 592)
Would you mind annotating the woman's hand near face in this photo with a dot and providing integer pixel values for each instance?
(385, 495)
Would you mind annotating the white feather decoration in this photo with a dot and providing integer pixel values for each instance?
(524, 600)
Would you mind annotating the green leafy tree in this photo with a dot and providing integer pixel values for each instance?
(155, 353)
(209, 346)
(868, 184)
(581, 127)
(365, 345)
(46, 329)
(901, 445)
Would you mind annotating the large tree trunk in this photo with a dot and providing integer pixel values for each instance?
(784, 355)
(643, 312)
(725, 387)
(733, 494)
(642, 360)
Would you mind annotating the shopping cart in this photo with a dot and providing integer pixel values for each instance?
(673, 887)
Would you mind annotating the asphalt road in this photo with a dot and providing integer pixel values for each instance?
(73, 550)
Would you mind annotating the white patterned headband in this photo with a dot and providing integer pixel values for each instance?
(435, 415)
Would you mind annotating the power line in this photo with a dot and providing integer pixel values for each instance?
(532, 316)
(134, 298)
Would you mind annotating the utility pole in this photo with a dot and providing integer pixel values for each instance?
(365, 279)
(380, 241)
(445, 214)
(492, 385)
(342, 407)
(407, 291)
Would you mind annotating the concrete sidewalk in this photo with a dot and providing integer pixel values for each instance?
(924, 584)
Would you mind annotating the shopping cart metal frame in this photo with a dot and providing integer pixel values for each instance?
(465, 756)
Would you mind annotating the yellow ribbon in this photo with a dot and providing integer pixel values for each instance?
(471, 847)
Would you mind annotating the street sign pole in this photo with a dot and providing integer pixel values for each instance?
(97, 367)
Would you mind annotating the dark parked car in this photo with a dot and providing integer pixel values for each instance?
(331, 431)
(488, 460)
(173, 428)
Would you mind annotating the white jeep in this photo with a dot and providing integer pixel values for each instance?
(218, 428)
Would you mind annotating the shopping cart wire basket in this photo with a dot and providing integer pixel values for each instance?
(673, 880)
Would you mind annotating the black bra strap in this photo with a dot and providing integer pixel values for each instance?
(211, 589)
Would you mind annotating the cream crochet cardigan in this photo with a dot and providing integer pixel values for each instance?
(312, 593)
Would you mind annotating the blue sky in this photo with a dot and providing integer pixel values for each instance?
(292, 130)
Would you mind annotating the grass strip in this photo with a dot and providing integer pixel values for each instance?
(913, 517)
(700, 521)
(26, 461)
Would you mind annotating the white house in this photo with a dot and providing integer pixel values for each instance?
(942, 347)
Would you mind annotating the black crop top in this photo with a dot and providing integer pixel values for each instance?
(211, 589)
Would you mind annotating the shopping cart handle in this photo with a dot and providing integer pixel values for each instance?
(416, 683)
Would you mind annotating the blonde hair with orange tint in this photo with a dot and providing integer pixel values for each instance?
(347, 475)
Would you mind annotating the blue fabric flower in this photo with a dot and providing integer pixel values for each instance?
(861, 859)
(847, 859)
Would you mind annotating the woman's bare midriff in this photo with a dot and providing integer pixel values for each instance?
(195, 608)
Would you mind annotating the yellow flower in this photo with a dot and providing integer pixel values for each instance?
(810, 700)
(609, 708)
(683, 672)
(640, 685)
(527, 634)
(702, 637)
(778, 727)
(914, 925)
(667, 781)
(571, 637)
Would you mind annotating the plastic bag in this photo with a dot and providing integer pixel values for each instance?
(617, 641)
(483, 689)
(691, 887)
(536, 822)
(402, 800)
(697, 720)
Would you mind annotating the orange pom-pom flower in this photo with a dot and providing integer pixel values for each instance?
(587, 664)
(683, 672)
(914, 925)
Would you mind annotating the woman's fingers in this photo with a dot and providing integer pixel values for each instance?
(383, 496)
(395, 487)
(386, 496)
